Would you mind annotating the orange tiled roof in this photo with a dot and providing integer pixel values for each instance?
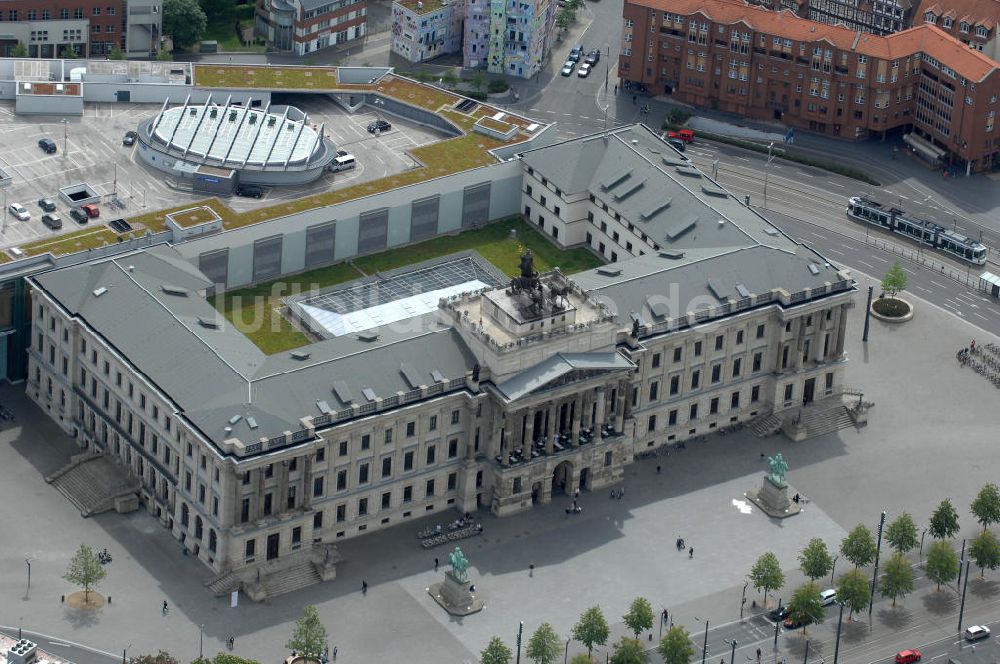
(975, 12)
(968, 63)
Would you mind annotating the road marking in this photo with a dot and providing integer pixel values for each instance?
(818, 235)
(835, 184)
(980, 315)
(743, 158)
(937, 284)
(807, 175)
(834, 251)
(922, 288)
(866, 264)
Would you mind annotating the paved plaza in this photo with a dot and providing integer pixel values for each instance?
(930, 436)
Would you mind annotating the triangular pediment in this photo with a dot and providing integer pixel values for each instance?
(560, 369)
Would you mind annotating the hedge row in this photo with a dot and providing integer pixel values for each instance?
(826, 165)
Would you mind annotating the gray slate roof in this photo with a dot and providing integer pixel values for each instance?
(213, 375)
(556, 366)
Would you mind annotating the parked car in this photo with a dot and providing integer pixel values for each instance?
(778, 614)
(47, 204)
(52, 221)
(78, 215)
(593, 57)
(378, 126)
(48, 145)
(249, 191)
(828, 596)
(576, 53)
(568, 68)
(795, 623)
(686, 135)
(130, 138)
(92, 210)
(584, 70)
(908, 656)
(976, 632)
(17, 210)
(676, 144)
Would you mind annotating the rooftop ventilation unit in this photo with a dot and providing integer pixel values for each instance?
(771, 230)
(615, 181)
(251, 422)
(410, 374)
(300, 355)
(174, 290)
(742, 290)
(342, 391)
(367, 336)
(437, 376)
(609, 271)
(718, 290)
(659, 309)
(672, 255)
(324, 407)
(100, 291)
(679, 228)
(235, 418)
(369, 394)
(210, 323)
(814, 269)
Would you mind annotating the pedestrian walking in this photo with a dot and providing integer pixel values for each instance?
(635, 99)
(758, 654)
(435, 564)
(364, 588)
(577, 494)
(335, 653)
(658, 469)
(621, 493)
(691, 552)
(616, 88)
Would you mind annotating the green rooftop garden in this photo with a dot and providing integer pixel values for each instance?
(193, 216)
(264, 76)
(254, 311)
(68, 243)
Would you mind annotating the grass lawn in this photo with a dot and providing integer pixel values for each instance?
(252, 310)
(193, 216)
(222, 27)
(89, 238)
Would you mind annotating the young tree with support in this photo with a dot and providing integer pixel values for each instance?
(898, 578)
(944, 521)
(85, 569)
(901, 533)
(852, 590)
(815, 560)
(806, 606)
(591, 629)
(309, 636)
(766, 574)
(676, 647)
(986, 506)
(640, 616)
(985, 552)
(859, 546)
(544, 645)
(495, 652)
(942, 563)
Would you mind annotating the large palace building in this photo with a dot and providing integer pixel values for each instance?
(444, 384)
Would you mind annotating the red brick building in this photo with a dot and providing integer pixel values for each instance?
(824, 78)
(302, 26)
(972, 22)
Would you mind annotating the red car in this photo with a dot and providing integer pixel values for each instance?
(908, 656)
(686, 135)
(91, 210)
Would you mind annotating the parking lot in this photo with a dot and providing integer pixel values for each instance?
(90, 150)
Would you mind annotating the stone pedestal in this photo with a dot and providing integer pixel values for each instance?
(773, 499)
(454, 596)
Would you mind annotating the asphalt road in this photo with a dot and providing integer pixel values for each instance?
(67, 650)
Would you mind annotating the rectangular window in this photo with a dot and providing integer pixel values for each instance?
(452, 481)
(317, 487)
(695, 379)
(737, 365)
(739, 337)
(430, 454)
(718, 342)
(758, 359)
(755, 394)
(651, 423)
(677, 354)
(697, 349)
(363, 473)
(693, 412)
(249, 550)
(341, 513)
(453, 448)
(716, 373)
(267, 503)
(672, 418)
(432, 424)
(734, 400)
(245, 510)
(388, 436)
(342, 448)
(411, 429)
(318, 520)
(408, 461)
(407, 494)
(656, 360)
(829, 381)
(387, 467)
(429, 488)
(456, 416)
(363, 507)
(386, 500)
(788, 392)
(760, 331)
(366, 441)
(675, 385)
(713, 407)
(320, 454)
(341, 480)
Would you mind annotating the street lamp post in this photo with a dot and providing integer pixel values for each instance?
(27, 561)
(922, 533)
(520, 629)
(201, 641)
(961, 610)
(566, 653)
(704, 647)
(777, 624)
(743, 601)
(732, 654)
(20, 620)
(663, 619)
(833, 567)
(125, 652)
(805, 659)
(878, 549)
(65, 125)
(767, 164)
(840, 621)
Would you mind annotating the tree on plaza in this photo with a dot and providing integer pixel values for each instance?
(639, 616)
(985, 551)
(815, 560)
(901, 534)
(19, 51)
(309, 636)
(162, 657)
(495, 652)
(986, 506)
(766, 574)
(859, 546)
(116, 53)
(944, 521)
(852, 590)
(628, 651)
(942, 563)
(894, 281)
(184, 20)
(581, 658)
(898, 578)
(85, 569)
(676, 646)
(544, 645)
(806, 606)
(591, 629)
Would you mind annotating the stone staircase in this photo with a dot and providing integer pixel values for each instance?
(290, 579)
(766, 426)
(224, 584)
(92, 482)
(824, 420)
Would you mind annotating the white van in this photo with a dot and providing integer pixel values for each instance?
(343, 162)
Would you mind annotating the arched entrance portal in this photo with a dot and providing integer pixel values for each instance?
(536, 493)
(561, 478)
(585, 479)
